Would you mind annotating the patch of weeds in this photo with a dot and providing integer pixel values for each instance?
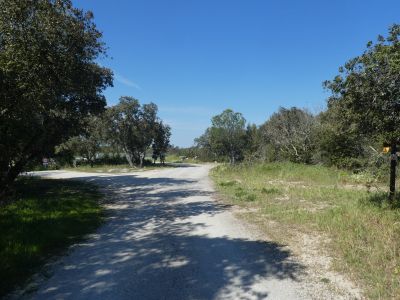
(227, 183)
(325, 280)
(270, 191)
(271, 167)
(381, 200)
(240, 194)
(363, 178)
(251, 197)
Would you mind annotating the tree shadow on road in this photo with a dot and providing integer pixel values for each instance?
(148, 250)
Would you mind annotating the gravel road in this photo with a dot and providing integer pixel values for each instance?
(166, 237)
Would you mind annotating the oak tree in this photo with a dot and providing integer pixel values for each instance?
(162, 134)
(227, 134)
(367, 91)
(49, 79)
(131, 127)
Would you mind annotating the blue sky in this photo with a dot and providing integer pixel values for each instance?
(197, 58)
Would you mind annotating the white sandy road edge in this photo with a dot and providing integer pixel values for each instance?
(167, 238)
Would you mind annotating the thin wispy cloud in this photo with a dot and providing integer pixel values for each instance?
(126, 81)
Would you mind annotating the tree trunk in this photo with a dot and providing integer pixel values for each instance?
(7, 181)
(9, 175)
(141, 157)
(233, 158)
(129, 159)
(393, 164)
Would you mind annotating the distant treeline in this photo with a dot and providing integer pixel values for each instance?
(290, 134)
(362, 116)
(122, 133)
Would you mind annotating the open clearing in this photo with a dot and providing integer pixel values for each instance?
(166, 237)
(318, 209)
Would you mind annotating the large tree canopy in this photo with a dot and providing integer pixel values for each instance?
(49, 80)
(367, 90)
(88, 143)
(162, 135)
(290, 131)
(367, 93)
(132, 127)
(227, 134)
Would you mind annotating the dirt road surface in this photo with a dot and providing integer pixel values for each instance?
(166, 237)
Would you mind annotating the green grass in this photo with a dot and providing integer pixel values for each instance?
(364, 231)
(124, 168)
(178, 159)
(48, 216)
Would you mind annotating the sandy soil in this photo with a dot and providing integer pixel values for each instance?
(167, 237)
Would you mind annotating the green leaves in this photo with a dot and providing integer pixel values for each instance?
(160, 144)
(291, 133)
(226, 136)
(133, 128)
(368, 91)
(49, 79)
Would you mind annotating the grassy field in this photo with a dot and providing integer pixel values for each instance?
(364, 232)
(124, 168)
(48, 216)
(178, 159)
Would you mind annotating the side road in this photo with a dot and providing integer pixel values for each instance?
(167, 237)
